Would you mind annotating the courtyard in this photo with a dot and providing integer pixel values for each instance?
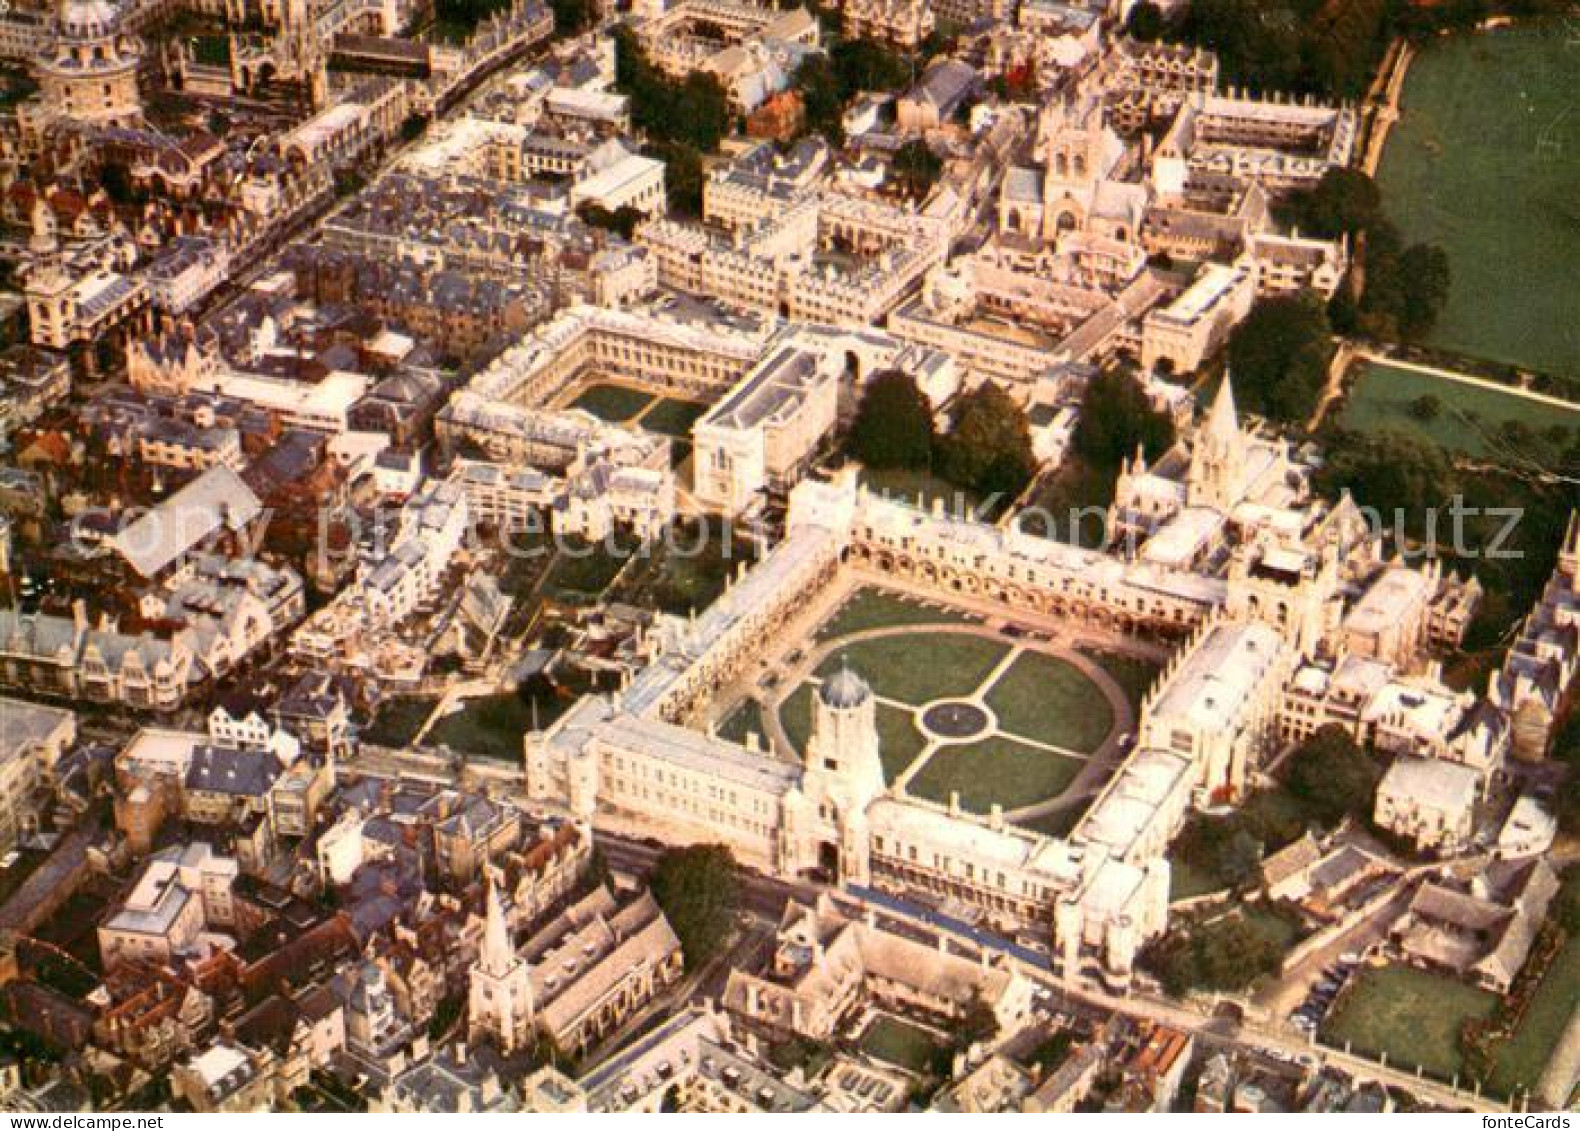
(984, 715)
(638, 408)
(900, 1043)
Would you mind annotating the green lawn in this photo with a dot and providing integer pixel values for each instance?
(398, 721)
(687, 572)
(489, 727)
(747, 718)
(1471, 421)
(899, 742)
(582, 571)
(1057, 823)
(1482, 162)
(795, 715)
(1049, 700)
(907, 486)
(615, 403)
(892, 1040)
(1413, 1016)
(1134, 674)
(1187, 880)
(671, 417)
(919, 667)
(1519, 1062)
(874, 608)
(995, 770)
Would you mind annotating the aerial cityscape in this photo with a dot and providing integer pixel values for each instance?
(788, 556)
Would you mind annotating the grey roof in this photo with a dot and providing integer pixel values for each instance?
(216, 500)
(245, 773)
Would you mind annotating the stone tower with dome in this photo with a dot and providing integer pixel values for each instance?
(90, 74)
(844, 774)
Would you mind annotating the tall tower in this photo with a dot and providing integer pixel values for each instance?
(1217, 458)
(500, 1005)
(843, 748)
(844, 774)
(304, 52)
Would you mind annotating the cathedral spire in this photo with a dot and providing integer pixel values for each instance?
(1223, 421)
(498, 956)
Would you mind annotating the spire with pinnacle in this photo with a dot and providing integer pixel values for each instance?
(498, 956)
(1223, 421)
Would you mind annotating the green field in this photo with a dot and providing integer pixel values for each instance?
(615, 403)
(1134, 674)
(913, 486)
(1413, 1016)
(747, 718)
(1471, 420)
(398, 721)
(1519, 1061)
(873, 608)
(917, 668)
(899, 742)
(996, 770)
(490, 727)
(1050, 700)
(892, 1040)
(1483, 163)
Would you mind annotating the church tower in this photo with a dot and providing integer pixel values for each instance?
(1217, 458)
(844, 774)
(500, 1005)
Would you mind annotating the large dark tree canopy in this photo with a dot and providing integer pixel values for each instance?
(1333, 777)
(894, 424)
(988, 449)
(1279, 357)
(1344, 202)
(697, 888)
(1116, 418)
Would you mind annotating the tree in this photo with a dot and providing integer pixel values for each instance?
(1345, 201)
(866, 65)
(683, 177)
(822, 99)
(622, 220)
(916, 169)
(1145, 22)
(988, 449)
(1279, 357)
(572, 17)
(1406, 287)
(1426, 408)
(698, 889)
(894, 424)
(1426, 277)
(694, 111)
(1116, 417)
(1398, 474)
(1332, 776)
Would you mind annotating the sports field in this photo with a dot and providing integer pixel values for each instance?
(1484, 163)
(1469, 419)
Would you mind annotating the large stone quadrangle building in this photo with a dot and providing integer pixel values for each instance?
(1294, 580)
